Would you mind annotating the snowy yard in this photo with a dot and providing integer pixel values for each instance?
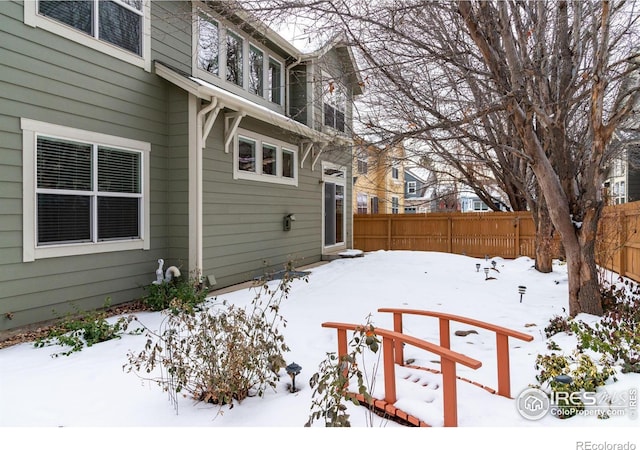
(66, 397)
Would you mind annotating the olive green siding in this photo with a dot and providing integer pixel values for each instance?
(243, 220)
(48, 78)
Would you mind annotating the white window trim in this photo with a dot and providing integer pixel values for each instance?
(362, 195)
(411, 187)
(281, 81)
(338, 180)
(32, 18)
(31, 251)
(397, 201)
(258, 175)
(221, 78)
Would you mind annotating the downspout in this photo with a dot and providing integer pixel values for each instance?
(200, 143)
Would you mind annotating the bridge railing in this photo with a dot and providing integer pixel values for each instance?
(502, 339)
(394, 340)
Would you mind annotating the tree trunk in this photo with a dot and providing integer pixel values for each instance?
(584, 290)
(544, 238)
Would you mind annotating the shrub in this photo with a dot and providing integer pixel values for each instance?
(585, 375)
(221, 353)
(615, 335)
(190, 293)
(335, 373)
(83, 329)
(557, 324)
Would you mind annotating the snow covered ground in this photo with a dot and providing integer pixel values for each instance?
(68, 401)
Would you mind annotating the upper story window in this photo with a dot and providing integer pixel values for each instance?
(363, 164)
(411, 187)
(85, 192)
(275, 81)
(334, 104)
(209, 46)
(235, 58)
(256, 71)
(260, 158)
(395, 172)
(117, 27)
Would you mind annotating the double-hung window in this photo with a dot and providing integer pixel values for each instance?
(395, 205)
(260, 158)
(118, 27)
(84, 192)
(362, 202)
(363, 164)
(411, 187)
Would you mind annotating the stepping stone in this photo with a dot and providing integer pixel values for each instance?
(465, 333)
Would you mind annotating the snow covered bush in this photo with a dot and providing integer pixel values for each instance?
(217, 354)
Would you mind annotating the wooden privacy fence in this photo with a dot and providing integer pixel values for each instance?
(505, 234)
(618, 243)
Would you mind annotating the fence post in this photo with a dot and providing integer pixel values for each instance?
(623, 242)
(389, 233)
(516, 250)
(449, 235)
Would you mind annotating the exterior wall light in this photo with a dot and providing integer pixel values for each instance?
(286, 222)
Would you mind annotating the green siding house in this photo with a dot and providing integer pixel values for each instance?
(136, 130)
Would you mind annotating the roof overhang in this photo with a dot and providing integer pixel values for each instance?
(207, 91)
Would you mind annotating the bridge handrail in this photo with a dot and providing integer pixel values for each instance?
(394, 340)
(502, 339)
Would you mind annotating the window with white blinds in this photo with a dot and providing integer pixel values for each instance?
(86, 192)
(90, 191)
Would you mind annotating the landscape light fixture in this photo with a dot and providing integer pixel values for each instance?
(486, 273)
(564, 379)
(521, 290)
(493, 263)
(293, 369)
(478, 267)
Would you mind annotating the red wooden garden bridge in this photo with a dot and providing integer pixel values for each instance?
(394, 340)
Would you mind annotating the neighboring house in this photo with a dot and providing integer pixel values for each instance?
(470, 202)
(623, 182)
(378, 179)
(419, 190)
(132, 131)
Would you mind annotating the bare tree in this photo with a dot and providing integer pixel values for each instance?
(528, 87)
